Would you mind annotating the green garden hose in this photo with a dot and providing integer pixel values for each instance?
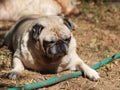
(55, 80)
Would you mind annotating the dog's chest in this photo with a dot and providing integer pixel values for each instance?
(49, 68)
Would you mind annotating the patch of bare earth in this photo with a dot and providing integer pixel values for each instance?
(98, 37)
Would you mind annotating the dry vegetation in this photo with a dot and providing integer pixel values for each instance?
(98, 37)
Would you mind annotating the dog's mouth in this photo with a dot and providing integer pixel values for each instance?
(56, 49)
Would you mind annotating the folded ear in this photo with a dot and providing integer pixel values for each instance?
(37, 28)
(68, 23)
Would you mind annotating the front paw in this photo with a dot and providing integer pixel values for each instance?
(91, 74)
(13, 75)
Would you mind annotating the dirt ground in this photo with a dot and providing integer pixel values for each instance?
(98, 37)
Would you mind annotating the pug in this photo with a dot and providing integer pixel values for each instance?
(45, 44)
(15, 9)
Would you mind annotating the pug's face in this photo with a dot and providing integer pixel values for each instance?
(56, 45)
(54, 36)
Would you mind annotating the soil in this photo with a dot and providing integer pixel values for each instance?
(98, 37)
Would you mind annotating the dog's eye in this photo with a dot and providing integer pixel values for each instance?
(48, 42)
(68, 39)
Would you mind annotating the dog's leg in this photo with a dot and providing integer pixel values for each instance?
(17, 70)
(78, 64)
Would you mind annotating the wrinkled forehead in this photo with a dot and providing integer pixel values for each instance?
(58, 31)
(55, 34)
